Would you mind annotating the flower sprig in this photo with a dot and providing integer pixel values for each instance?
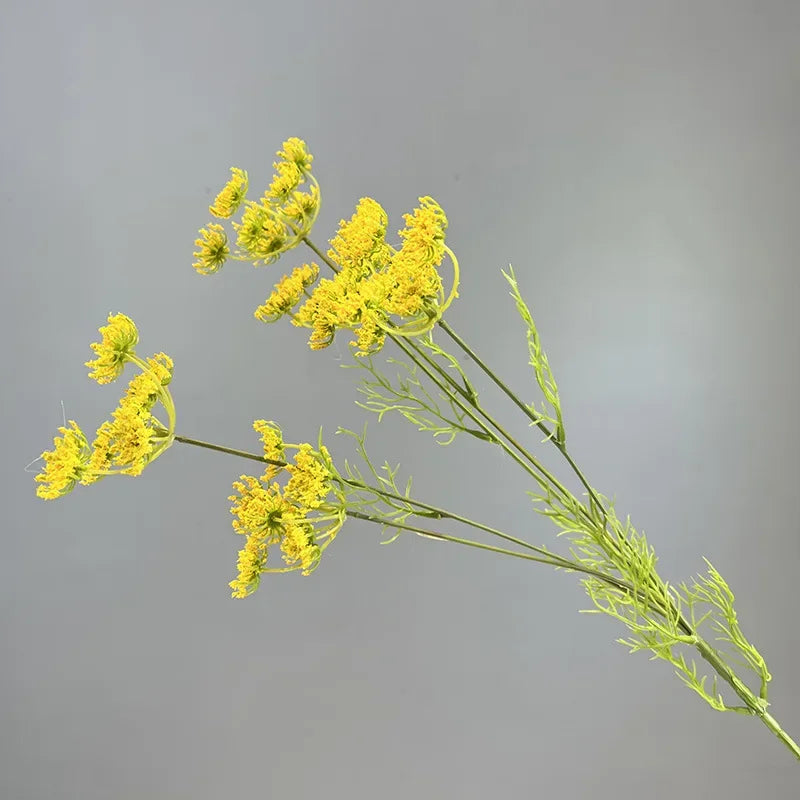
(270, 226)
(377, 289)
(133, 437)
(295, 508)
(298, 519)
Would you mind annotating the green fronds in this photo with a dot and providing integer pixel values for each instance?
(661, 618)
(367, 500)
(712, 592)
(541, 367)
(407, 395)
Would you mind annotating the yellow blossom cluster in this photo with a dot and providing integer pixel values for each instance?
(119, 339)
(233, 194)
(376, 290)
(287, 293)
(276, 223)
(375, 282)
(295, 519)
(133, 437)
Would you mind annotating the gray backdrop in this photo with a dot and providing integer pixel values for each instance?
(636, 162)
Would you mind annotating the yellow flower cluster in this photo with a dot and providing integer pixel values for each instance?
(375, 281)
(213, 249)
(119, 339)
(287, 293)
(272, 439)
(227, 202)
(133, 437)
(377, 289)
(295, 519)
(269, 227)
(66, 464)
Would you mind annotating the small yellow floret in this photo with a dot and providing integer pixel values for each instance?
(251, 563)
(359, 244)
(310, 481)
(287, 178)
(213, 249)
(258, 509)
(302, 207)
(119, 338)
(260, 235)
(294, 150)
(272, 438)
(287, 293)
(232, 195)
(65, 465)
(299, 547)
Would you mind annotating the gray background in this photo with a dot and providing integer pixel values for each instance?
(637, 163)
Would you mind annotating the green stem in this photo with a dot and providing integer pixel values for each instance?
(441, 513)
(525, 410)
(319, 253)
(756, 706)
(421, 354)
(230, 450)
(558, 564)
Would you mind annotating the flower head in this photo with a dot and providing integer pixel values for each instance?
(119, 338)
(251, 563)
(261, 236)
(66, 464)
(360, 244)
(272, 438)
(376, 282)
(299, 547)
(213, 249)
(424, 232)
(232, 195)
(310, 482)
(302, 207)
(294, 519)
(287, 293)
(134, 437)
(277, 223)
(294, 150)
(287, 178)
